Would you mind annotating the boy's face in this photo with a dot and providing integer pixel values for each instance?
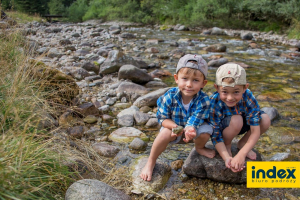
(189, 83)
(231, 95)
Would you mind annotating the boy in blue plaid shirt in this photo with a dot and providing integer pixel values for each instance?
(234, 111)
(186, 106)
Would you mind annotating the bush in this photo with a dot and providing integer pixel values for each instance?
(77, 10)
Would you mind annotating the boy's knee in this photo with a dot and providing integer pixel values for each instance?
(236, 122)
(265, 122)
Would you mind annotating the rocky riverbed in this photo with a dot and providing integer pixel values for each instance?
(121, 69)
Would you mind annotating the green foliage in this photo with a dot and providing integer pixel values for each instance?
(56, 7)
(30, 6)
(5, 4)
(77, 10)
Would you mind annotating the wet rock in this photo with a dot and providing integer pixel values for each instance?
(152, 41)
(160, 176)
(127, 35)
(177, 164)
(106, 150)
(280, 157)
(138, 144)
(127, 134)
(134, 74)
(94, 189)
(213, 168)
(283, 135)
(246, 36)
(217, 62)
(271, 112)
(150, 98)
(215, 48)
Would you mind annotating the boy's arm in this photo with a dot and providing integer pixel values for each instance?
(224, 153)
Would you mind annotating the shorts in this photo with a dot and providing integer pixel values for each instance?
(204, 128)
(226, 121)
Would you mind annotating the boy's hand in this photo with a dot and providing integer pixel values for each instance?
(228, 162)
(190, 133)
(238, 163)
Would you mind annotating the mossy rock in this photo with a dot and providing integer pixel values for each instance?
(127, 134)
(274, 96)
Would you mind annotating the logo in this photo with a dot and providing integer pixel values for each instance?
(273, 174)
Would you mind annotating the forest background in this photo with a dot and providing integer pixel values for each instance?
(280, 16)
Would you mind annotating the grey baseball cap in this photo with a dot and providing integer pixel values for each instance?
(201, 63)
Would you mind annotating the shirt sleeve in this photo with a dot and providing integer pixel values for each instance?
(200, 114)
(215, 120)
(163, 108)
(253, 115)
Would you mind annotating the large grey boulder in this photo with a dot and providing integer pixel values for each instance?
(90, 189)
(213, 168)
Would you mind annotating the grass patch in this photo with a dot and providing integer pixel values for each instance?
(29, 167)
(22, 17)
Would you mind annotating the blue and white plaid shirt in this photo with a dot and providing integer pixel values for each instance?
(170, 107)
(247, 106)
